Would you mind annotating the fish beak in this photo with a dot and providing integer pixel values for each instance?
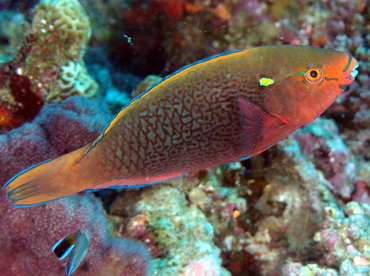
(354, 71)
(350, 73)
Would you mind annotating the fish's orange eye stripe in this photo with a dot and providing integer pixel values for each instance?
(314, 75)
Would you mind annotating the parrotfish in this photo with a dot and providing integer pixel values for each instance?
(75, 243)
(224, 108)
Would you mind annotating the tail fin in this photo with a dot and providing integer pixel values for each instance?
(45, 181)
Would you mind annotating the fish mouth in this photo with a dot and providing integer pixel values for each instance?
(354, 71)
(350, 72)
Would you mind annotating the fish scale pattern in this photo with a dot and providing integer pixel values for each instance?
(177, 129)
(206, 114)
(184, 121)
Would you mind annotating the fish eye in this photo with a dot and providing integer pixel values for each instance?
(314, 75)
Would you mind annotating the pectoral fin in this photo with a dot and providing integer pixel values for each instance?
(256, 123)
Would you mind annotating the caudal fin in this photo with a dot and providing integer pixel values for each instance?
(45, 181)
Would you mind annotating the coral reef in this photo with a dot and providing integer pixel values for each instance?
(343, 238)
(277, 214)
(327, 150)
(58, 129)
(29, 234)
(70, 19)
(301, 208)
(55, 45)
(46, 63)
(73, 80)
(173, 229)
(176, 32)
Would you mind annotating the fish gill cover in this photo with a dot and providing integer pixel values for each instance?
(300, 208)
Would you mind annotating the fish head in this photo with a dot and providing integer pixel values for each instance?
(310, 82)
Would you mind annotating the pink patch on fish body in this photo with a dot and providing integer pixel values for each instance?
(221, 109)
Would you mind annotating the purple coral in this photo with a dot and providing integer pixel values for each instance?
(58, 129)
(320, 140)
(29, 233)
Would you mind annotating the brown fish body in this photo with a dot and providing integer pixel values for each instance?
(190, 122)
(212, 112)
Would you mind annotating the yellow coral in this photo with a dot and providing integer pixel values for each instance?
(55, 46)
(71, 21)
(73, 80)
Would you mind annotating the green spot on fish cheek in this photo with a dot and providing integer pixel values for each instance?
(266, 81)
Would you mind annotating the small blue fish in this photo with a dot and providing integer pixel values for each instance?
(75, 243)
